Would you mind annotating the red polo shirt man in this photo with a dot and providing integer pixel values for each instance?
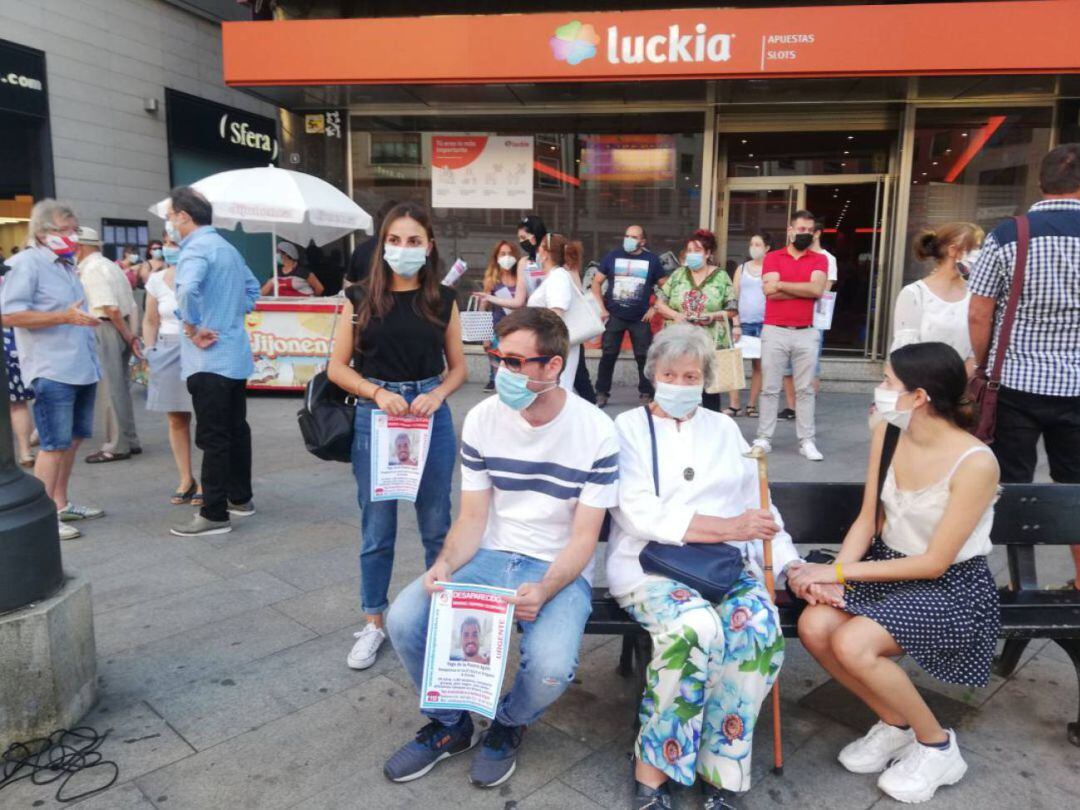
(794, 277)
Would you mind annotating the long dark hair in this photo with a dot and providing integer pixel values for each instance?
(532, 224)
(937, 369)
(374, 299)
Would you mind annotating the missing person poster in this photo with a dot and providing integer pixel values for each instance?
(399, 446)
(467, 644)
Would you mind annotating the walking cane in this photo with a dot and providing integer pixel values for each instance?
(770, 585)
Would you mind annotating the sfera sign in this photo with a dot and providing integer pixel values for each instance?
(226, 133)
(242, 134)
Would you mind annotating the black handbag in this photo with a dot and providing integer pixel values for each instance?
(328, 417)
(711, 569)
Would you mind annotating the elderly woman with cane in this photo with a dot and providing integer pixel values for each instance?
(686, 482)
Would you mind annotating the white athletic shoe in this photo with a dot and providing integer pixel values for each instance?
(764, 444)
(921, 770)
(366, 647)
(809, 449)
(873, 752)
(68, 532)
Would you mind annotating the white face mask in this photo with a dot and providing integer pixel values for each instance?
(506, 262)
(757, 253)
(885, 402)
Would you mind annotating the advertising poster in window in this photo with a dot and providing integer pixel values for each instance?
(468, 641)
(399, 446)
(482, 171)
(644, 159)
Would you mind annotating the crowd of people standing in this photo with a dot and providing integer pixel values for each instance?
(541, 466)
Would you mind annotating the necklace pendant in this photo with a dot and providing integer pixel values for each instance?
(688, 473)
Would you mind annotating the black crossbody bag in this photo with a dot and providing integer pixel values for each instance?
(328, 416)
(711, 569)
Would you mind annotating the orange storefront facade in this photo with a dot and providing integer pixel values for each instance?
(880, 118)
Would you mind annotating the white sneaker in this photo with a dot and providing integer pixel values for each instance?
(366, 647)
(764, 444)
(921, 770)
(873, 752)
(809, 449)
(68, 532)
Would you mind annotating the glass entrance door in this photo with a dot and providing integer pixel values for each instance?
(853, 212)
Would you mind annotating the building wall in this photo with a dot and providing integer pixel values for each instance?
(103, 59)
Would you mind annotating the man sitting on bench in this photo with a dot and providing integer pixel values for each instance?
(539, 469)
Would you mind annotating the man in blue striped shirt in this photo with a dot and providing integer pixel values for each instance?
(1040, 377)
(539, 468)
(214, 291)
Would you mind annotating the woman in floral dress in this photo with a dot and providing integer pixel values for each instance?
(702, 294)
(19, 396)
(713, 664)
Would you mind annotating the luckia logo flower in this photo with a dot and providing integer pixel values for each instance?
(574, 42)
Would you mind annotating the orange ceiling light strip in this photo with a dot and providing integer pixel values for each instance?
(992, 125)
(550, 172)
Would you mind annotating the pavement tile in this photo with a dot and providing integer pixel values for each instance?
(326, 609)
(209, 651)
(123, 589)
(554, 794)
(835, 702)
(318, 569)
(157, 619)
(1022, 727)
(211, 709)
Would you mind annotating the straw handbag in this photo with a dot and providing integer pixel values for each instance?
(728, 371)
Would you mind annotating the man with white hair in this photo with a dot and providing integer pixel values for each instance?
(109, 297)
(43, 299)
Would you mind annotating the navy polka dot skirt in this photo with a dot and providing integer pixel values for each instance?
(949, 625)
(17, 391)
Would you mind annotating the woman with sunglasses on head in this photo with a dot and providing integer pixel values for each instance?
(558, 289)
(397, 348)
(530, 273)
(916, 583)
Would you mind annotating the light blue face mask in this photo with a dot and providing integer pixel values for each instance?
(171, 255)
(172, 231)
(678, 401)
(405, 261)
(695, 261)
(513, 389)
(630, 244)
(155, 253)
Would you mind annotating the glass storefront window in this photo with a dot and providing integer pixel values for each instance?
(592, 176)
(789, 154)
(974, 165)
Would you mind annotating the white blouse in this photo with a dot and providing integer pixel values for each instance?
(724, 484)
(912, 516)
(168, 323)
(921, 317)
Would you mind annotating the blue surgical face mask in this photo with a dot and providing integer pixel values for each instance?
(678, 401)
(405, 261)
(155, 253)
(172, 231)
(513, 389)
(630, 244)
(695, 261)
(171, 255)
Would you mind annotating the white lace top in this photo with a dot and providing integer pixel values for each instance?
(911, 516)
(922, 317)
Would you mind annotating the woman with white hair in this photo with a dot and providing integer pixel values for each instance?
(684, 479)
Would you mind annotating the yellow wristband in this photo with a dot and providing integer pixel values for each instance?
(840, 574)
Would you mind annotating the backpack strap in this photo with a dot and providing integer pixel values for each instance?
(888, 449)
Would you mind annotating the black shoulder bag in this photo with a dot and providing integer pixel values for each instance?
(328, 415)
(711, 569)
(888, 449)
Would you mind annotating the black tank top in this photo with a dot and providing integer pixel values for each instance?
(404, 346)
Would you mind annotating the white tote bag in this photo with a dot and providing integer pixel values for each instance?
(477, 326)
(582, 320)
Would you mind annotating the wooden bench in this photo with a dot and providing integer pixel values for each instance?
(819, 514)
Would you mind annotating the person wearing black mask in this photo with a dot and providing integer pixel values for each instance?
(531, 231)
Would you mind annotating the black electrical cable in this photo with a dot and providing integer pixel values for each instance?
(58, 758)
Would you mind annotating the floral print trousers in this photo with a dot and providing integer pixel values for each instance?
(712, 667)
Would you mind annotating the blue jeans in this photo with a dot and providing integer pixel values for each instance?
(378, 520)
(549, 645)
(62, 412)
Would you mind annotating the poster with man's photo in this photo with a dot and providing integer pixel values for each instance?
(399, 446)
(468, 641)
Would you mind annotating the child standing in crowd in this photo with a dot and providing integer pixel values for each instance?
(398, 348)
(915, 584)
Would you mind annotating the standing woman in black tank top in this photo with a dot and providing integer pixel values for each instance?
(397, 347)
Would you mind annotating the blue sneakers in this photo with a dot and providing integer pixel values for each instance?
(496, 760)
(434, 743)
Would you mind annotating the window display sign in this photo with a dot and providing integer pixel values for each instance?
(645, 159)
(482, 171)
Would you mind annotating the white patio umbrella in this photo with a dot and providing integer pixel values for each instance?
(293, 205)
